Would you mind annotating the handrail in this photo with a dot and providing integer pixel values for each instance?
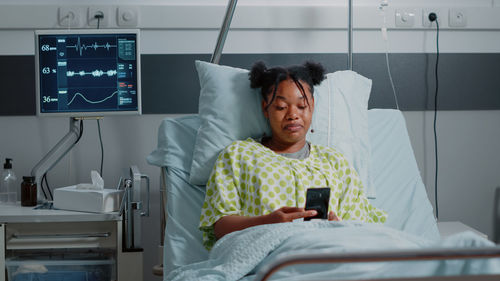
(59, 236)
(231, 6)
(377, 256)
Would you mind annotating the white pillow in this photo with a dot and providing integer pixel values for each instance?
(340, 120)
(230, 110)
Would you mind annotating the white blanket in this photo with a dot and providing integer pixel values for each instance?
(242, 253)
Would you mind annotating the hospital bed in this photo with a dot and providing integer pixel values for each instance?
(400, 192)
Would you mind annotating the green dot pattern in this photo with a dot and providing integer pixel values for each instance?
(249, 179)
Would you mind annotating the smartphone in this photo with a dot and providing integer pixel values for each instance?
(318, 199)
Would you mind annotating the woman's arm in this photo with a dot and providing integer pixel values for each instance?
(228, 224)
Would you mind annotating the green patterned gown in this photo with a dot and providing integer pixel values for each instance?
(249, 179)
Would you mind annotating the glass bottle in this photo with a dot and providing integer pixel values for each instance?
(28, 191)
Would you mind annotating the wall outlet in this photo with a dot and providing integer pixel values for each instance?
(96, 10)
(405, 18)
(69, 16)
(127, 16)
(457, 18)
(425, 17)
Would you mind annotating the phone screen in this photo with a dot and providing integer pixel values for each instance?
(318, 199)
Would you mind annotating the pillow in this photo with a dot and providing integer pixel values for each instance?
(340, 120)
(230, 110)
(176, 137)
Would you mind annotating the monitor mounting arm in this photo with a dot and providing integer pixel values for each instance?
(55, 154)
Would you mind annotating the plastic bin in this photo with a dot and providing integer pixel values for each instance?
(49, 269)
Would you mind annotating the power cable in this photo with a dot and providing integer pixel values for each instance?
(433, 18)
(100, 140)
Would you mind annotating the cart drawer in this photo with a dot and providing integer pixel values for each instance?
(56, 235)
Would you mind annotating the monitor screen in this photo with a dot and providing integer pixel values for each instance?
(87, 72)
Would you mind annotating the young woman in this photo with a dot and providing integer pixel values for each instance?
(264, 181)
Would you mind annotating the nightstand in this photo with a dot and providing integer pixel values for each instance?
(28, 234)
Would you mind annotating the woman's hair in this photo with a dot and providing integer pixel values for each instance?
(268, 79)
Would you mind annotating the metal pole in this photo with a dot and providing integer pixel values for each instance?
(231, 6)
(349, 37)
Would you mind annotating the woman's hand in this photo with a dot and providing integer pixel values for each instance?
(333, 217)
(232, 223)
(288, 214)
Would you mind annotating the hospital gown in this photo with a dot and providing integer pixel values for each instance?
(249, 179)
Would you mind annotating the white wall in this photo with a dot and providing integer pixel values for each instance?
(469, 141)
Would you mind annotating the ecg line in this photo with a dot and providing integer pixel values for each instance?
(95, 73)
(79, 47)
(89, 101)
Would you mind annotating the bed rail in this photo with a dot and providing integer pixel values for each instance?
(383, 256)
(158, 269)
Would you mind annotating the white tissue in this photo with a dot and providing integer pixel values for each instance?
(97, 182)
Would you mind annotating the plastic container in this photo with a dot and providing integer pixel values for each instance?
(46, 268)
(28, 192)
(8, 186)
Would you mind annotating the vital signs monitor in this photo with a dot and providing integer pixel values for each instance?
(87, 72)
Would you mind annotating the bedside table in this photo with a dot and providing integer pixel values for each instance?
(24, 230)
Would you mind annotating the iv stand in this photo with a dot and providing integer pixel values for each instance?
(221, 39)
(55, 155)
(349, 37)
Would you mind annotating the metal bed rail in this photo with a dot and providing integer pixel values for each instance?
(158, 269)
(385, 256)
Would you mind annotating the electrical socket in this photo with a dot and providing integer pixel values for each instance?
(128, 16)
(425, 17)
(405, 18)
(95, 10)
(69, 16)
(457, 18)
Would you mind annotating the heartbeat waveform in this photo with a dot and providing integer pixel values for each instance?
(92, 102)
(82, 47)
(95, 73)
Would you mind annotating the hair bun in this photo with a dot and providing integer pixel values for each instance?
(316, 71)
(256, 74)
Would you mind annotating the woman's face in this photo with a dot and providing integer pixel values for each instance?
(290, 113)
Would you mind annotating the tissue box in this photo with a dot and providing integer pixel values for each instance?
(85, 200)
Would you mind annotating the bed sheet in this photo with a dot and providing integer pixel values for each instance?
(240, 254)
(400, 190)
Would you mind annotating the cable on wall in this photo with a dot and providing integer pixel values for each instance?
(99, 16)
(433, 18)
(100, 140)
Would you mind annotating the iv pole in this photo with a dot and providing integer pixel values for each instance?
(229, 16)
(231, 6)
(349, 36)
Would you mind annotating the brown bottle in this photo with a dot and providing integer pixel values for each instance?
(28, 191)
